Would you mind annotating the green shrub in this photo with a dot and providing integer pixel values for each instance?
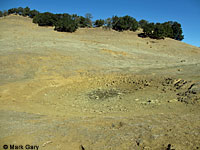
(108, 23)
(159, 31)
(99, 23)
(5, 13)
(20, 10)
(177, 31)
(148, 29)
(88, 20)
(33, 13)
(69, 23)
(1, 14)
(76, 18)
(82, 22)
(66, 24)
(12, 11)
(168, 32)
(26, 11)
(45, 19)
(124, 23)
(142, 23)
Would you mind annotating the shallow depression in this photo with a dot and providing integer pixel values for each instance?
(102, 94)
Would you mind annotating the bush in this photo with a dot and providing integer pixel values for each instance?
(177, 31)
(99, 23)
(12, 11)
(82, 22)
(142, 23)
(108, 23)
(134, 25)
(1, 14)
(5, 13)
(88, 20)
(159, 31)
(156, 31)
(76, 18)
(168, 32)
(66, 24)
(20, 10)
(148, 29)
(69, 23)
(26, 11)
(33, 13)
(45, 19)
(124, 23)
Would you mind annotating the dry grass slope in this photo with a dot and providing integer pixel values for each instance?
(96, 89)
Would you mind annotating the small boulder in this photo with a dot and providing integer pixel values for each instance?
(195, 88)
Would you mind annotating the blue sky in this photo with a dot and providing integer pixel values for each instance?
(186, 12)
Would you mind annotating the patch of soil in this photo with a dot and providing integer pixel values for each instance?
(182, 90)
(102, 94)
(191, 94)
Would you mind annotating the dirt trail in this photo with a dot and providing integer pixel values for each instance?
(96, 89)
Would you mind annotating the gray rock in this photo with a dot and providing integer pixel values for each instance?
(195, 88)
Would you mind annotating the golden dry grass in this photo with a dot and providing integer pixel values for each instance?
(95, 88)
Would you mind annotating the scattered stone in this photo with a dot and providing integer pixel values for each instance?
(169, 147)
(48, 142)
(172, 100)
(179, 69)
(81, 147)
(102, 94)
(194, 88)
(121, 124)
(183, 60)
(149, 101)
(138, 141)
(179, 83)
(117, 125)
(191, 94)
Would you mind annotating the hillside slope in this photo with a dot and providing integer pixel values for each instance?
(96, 89)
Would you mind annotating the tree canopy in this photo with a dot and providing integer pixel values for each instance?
(66, 24)
(1, 14)
(142, 23)
(99, 23)
(161, 30)
(69, 23)
(124, 23)
(45, 19)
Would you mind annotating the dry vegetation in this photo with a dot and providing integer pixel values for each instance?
(96, 89)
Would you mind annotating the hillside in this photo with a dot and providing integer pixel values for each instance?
(96, 89)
